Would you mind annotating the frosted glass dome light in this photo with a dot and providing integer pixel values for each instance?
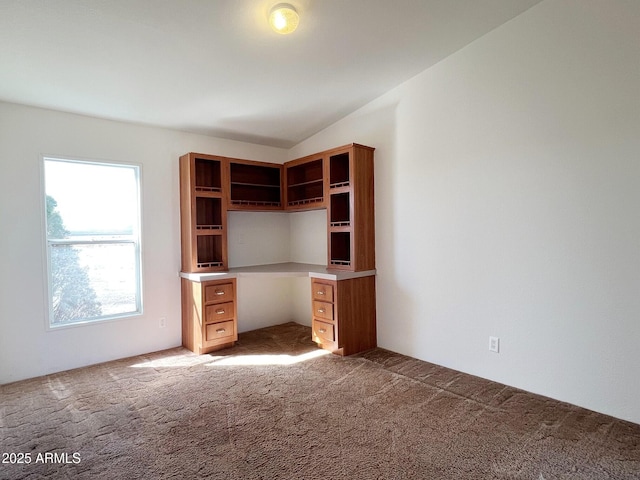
(283, 18)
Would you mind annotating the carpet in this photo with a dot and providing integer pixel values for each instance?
(276, 407)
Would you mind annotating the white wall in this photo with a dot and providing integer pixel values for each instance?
(506, 204)
(308, 245)
(261, 238)
(27, 349)
(258, 238)
(507, 194)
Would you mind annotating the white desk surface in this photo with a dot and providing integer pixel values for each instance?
(289, 269)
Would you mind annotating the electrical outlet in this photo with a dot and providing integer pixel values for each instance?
(494, 344)
(163, 322)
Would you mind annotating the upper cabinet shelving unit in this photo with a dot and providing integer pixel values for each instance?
(255, 185)
(350, 216)
(340, 180)
(339, 172)
(203, 213)
(208, 174)
(305, 183)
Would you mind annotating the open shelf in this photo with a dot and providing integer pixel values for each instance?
(339, 180)
(306, 193)
(340, 249)
(255, 185)
(209, 251)
(208, 175)
(339, 170)
(339, 210)
(256, 195)
(305, 183)
(208, 213)
(305, 172)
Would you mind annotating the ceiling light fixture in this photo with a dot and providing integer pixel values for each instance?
(283, 18)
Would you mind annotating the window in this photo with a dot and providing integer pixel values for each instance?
(93, 240)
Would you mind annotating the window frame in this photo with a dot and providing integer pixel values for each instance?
(135, 239)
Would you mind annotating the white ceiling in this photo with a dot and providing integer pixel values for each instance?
(215, 67)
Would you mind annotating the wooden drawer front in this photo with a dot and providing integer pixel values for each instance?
(219, 312)
(323, 332)
(323, 310)
(322, 291)
(218, 293)
(216, 331)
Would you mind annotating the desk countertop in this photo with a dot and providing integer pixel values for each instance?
(278, 270)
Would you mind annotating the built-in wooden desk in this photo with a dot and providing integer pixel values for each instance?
(340, 181)
(343, 306)
(288, 269)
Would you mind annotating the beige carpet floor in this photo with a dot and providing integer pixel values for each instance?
(276, 407)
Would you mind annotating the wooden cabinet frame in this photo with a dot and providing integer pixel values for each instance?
(204, 244)
(209, 318)
(259, 185)
(340, 180)
(344, 318)
(350, 235)
(305, 183)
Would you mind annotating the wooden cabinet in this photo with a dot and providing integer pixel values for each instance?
(350, 208)
(340, 180)
(254, 185)
(209, 315)
(305, 183)
(344, 314)
(211, 185)
(203, 212)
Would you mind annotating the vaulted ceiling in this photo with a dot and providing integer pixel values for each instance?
(215, 67)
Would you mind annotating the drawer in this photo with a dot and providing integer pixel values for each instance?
(323, 332)
(219, 312)
(215, 331)
(218, 293)
(322, 291)
(323, 310)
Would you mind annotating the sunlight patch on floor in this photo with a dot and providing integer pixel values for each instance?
(266, 359)
(176, 361)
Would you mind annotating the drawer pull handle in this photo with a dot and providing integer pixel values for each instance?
(321, 310)
(220, 311)
(320, 292)
(220, 330)
(322, 330)
(219, 292)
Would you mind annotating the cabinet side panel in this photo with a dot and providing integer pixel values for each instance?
(191, 315)
(186, 237)
(356, 310)
(364, 210)
(224, 164)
